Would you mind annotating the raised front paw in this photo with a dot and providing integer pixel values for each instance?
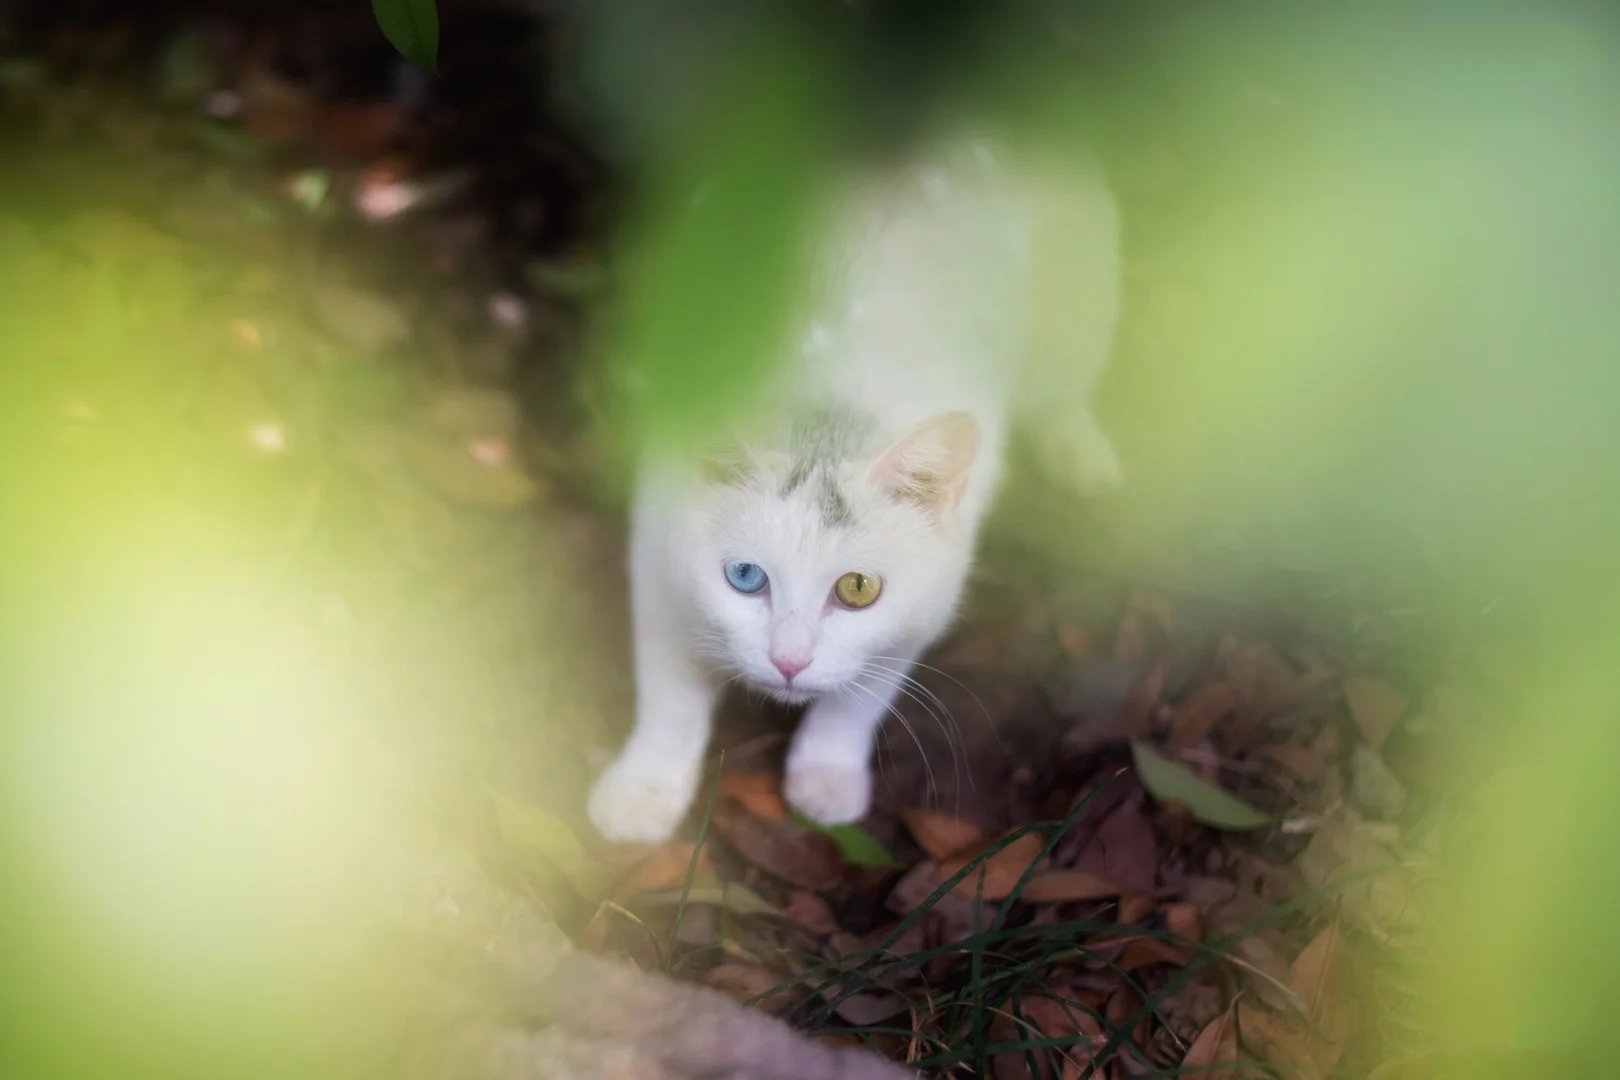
(829, 793)
(640, 802)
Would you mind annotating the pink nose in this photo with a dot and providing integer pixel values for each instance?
(789, 666)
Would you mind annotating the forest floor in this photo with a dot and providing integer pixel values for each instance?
(1123, 831)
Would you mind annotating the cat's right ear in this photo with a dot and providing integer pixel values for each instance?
(929, 466)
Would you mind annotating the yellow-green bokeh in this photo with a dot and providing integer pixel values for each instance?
(1370, 326)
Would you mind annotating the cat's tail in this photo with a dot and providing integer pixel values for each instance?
(1076, 271)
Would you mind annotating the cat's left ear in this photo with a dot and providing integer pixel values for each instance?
(929, 465)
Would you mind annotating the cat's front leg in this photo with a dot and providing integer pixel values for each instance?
(829, 765)
(644, 794)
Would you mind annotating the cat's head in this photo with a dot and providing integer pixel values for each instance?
(814, 565)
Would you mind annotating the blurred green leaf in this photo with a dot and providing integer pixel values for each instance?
(1170, 781)
(412, 27)
(532, 830)
(719, 246)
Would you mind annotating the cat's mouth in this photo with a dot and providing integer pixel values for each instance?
(785, 693)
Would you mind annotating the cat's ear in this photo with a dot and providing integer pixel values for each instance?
(930, 464)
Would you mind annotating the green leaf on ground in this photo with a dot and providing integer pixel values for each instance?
(1171, 781)
(856, 846)
(412, 27)
(709, 889)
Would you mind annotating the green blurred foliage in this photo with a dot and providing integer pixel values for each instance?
(717, 248)
(261, 600)
(1372, 270)
(412, 27)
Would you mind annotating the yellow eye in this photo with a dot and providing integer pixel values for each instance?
(855, 590)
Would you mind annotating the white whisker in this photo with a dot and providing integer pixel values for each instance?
(983, 711)
(928, 769)
(930, 703)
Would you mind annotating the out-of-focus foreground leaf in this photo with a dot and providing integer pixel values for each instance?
(412, 27)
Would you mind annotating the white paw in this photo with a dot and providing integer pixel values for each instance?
(1080, 455)
(829, 794)
(639, 802)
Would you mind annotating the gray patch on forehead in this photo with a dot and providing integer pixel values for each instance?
(829, 433)
(823, 438)
(834, 507)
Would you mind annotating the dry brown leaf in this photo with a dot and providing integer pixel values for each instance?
(811, 912)
(1273, 1039)
(1194, 718)
(1058, 1019)
(1077, 641)
(1183, 920)
(1134, 907)
(797, 856)
(1136, 714)
(1267, 972)
(1058, 885)
(1143, 951)
(1215, 1044)
(1301, 761)
(1204, 893)
(1122, 1005)
(1318, 978)
(941, 835)
(1124, 849)
(1065, 1020)
(1050, 1018)
(744, 982)
(1374, 707)
(1257, 674)
(665, 867)
(759, 793)
(1382, 899)
(998, 874)
(863, 1010)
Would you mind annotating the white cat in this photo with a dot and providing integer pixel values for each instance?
(818, 553)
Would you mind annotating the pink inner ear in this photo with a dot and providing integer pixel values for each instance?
(930, 464)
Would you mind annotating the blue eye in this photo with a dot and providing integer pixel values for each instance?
(745, 577)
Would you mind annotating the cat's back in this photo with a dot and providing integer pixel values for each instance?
(929, 271)
(920, 268)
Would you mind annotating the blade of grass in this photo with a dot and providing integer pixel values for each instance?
(1046, 849)
(957, 878)
(1000, 917)
(691, 867)
(611, 907)
(976, 980)
(954, 948)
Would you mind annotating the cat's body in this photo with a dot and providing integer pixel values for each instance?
(818, 553)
